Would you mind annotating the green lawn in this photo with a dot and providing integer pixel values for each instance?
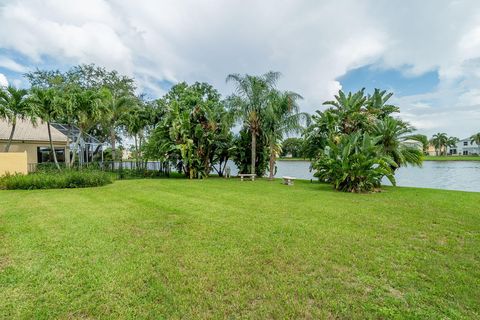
(173, 248)
(452, 158)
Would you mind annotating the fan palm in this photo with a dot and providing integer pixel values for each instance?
(14, 103)
(250, 102)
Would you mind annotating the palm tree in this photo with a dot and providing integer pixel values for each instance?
(45, 102)
(90, 109)
(451, 142)
(15, 105)
(475, 139)
(439, 141)
(377, 104)
(393, 136)
(118, 105)
(250, 102)
(282, 117)
(350, 110)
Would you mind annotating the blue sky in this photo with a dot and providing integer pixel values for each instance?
(394, 80)
(426, 52)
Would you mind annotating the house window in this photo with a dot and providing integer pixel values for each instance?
(465, 143)
(465, 152)
(44, 155)
(453, 151)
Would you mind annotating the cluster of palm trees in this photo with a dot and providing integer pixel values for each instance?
(357, 141)
(266, 113)
(191, 126)
(93, 100)
(441, 141)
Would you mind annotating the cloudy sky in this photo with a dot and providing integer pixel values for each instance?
(426, 52)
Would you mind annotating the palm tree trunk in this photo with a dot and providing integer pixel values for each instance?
(272, 162)
(14, 124)
(51, 146)
(254, 151)
(112, 142)
(75, 147)
(136, 151)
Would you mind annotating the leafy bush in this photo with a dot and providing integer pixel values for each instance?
(354, 164)
(56, 180)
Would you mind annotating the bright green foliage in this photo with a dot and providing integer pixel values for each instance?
(282, 117)
(292, 147)
(354, 164)
(221, 249)
(250, 103)
(386, 143)
(14, 105)
(395, 140)
(242, 152)
(193, 130)
(56, 180)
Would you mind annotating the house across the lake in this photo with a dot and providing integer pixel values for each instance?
(34, 140)
(464, 147)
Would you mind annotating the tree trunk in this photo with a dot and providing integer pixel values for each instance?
(52, 149)
(254, 152)
(272, 162)
(14, 124)
(136, 151)
(75, 147)
(112, 142)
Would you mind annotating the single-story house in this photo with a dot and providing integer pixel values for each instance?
(464, 147)
(34, 140)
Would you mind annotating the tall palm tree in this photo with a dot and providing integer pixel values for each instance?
(44, 100)
(118, 104)
(250, 101)
(439, 141)
(90, 110)
(393, 136)
(15, 105)
(282, 117)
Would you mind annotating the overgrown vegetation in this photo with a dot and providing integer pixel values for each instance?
(356, 142)
(56, 180)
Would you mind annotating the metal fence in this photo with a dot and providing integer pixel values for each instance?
(128, 167)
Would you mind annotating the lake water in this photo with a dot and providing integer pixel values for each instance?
(449, 175)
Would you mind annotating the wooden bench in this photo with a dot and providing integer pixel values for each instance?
(288, 181)
(247, 175)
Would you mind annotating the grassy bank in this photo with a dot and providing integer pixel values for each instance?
(452, 158)
(219, 248)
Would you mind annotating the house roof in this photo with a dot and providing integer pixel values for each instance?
(26, 131)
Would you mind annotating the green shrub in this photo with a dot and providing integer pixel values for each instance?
(56, 180)
(354, 164)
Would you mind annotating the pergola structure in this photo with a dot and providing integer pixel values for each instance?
(88, 145)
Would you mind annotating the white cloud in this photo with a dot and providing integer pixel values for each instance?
(3, 80)
(11, 65)
(311, 43)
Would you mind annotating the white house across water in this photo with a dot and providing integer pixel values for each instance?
(464, 147)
